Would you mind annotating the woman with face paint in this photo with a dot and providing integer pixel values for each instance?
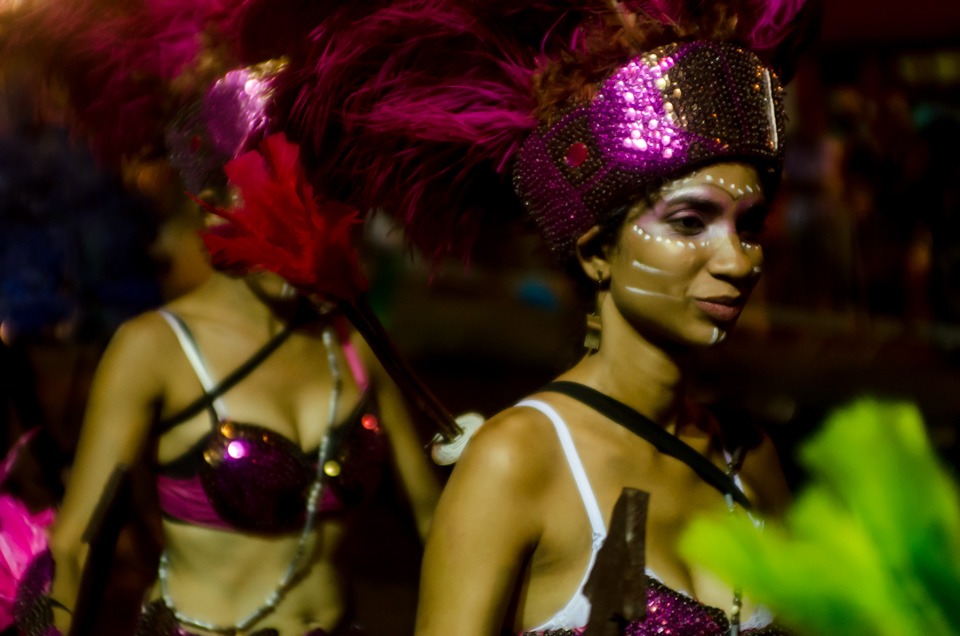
(684, 262)
(526, 515)
(652, 178)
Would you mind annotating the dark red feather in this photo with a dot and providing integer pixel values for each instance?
(279, 225)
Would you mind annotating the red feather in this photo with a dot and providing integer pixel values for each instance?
(281, 226)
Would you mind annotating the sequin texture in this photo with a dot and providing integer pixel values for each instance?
(675, 614)
(229, 119)
(257, 480)
(661, 114)
(283, 473)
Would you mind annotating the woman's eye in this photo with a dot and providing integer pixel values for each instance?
(687, 224)
(751, 227)
(751, 236)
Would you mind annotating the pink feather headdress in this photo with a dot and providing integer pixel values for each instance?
(419, 107)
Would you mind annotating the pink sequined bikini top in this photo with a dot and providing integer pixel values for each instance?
(249, 478)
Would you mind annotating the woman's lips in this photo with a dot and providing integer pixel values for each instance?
(722, 309)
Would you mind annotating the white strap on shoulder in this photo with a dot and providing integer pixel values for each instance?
(192, 351)
(576, 467)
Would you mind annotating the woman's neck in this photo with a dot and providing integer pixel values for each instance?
(637, 372)
(236, 299)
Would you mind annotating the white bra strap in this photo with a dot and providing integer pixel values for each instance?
(576, 467)
(192, 351)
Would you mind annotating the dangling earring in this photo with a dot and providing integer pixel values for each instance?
(591, 340)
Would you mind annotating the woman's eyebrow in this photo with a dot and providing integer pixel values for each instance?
(757, 206)
(699, 201)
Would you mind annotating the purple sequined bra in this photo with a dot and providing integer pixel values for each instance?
(671, 612)
(249, 478)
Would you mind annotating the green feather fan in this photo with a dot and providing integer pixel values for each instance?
(870, 547)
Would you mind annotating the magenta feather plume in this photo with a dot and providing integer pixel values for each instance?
(22, 535)
(117, 61)
(761, 25)
(416, 108)
(775, 19)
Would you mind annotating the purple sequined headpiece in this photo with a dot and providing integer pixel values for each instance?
(230, 119)
(664, 113)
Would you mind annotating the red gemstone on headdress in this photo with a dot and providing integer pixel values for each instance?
(369, 422)
(576, 154)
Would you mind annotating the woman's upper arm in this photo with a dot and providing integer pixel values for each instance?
(417, 475)
(487, 524)
(116, 423)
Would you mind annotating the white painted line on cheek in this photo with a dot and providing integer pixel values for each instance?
(648, 268)
(647, 292)
(718, 336)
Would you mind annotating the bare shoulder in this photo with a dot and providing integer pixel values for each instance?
(499, 487)
(517, 446)
(138, 351)
(146, 334)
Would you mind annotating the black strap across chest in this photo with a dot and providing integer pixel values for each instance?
(642, 426)
(205, 401)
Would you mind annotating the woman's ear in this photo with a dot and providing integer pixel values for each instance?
(592, 255)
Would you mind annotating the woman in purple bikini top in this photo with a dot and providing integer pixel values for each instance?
(248, 478)
(253, 511)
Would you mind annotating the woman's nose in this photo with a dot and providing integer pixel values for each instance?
(733, 258)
